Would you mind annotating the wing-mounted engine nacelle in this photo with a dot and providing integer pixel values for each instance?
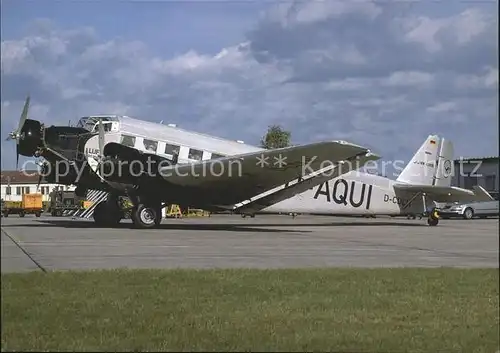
(30, 138)
(61, 172)
(130, 166)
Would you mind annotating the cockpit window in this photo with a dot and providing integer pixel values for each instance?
(89, 122)
(106, 125)
(84, 123)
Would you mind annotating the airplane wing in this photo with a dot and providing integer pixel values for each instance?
(299, 185)
(229, 180)
(447, 194)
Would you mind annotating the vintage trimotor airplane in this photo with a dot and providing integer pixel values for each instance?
(424, 181)
(110, 153)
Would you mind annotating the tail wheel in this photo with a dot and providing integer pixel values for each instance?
(432, 221)
(433, 218)
(468, 213)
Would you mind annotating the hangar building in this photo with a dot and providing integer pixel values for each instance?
(482, 171)
(15, 183)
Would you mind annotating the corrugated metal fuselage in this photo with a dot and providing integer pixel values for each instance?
(163, 139)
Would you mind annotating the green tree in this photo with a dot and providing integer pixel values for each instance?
(275, 137)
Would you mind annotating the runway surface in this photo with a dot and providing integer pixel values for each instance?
(50, 243)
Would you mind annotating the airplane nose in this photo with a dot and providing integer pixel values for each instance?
(30, 138)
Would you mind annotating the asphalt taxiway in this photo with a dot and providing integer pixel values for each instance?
(266, 241)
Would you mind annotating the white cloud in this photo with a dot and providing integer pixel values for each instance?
(436, 33)
(444, 107)
(311, 12)
(324, 70)
(408, 78)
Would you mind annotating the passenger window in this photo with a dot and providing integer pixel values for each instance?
(195, 154)
(171, 149)
(216, 156)
(150, 145)
(128, 141)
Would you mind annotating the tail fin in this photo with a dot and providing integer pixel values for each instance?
(422, 167)
(445, 166)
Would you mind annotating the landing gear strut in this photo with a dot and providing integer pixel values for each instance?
(108, 213)
(144, 214)
(433, 218)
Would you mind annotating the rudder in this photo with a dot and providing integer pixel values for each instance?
(445, 166)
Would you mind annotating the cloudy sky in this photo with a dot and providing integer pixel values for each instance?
(381, 74)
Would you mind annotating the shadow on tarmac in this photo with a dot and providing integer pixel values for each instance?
(234, 227)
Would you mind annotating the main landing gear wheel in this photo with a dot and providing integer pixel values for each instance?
(145, 217)
(433, 218)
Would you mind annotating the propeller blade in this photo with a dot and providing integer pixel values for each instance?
(24, 114)
(39, 181)
(101, 137)
(17, 156)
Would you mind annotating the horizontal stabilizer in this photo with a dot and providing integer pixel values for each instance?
(479, 190)
(447, 194)
(300, 185)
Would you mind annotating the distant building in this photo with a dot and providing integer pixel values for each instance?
(477, 171)
(16, 183)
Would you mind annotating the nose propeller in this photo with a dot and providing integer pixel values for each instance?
(16, 134)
